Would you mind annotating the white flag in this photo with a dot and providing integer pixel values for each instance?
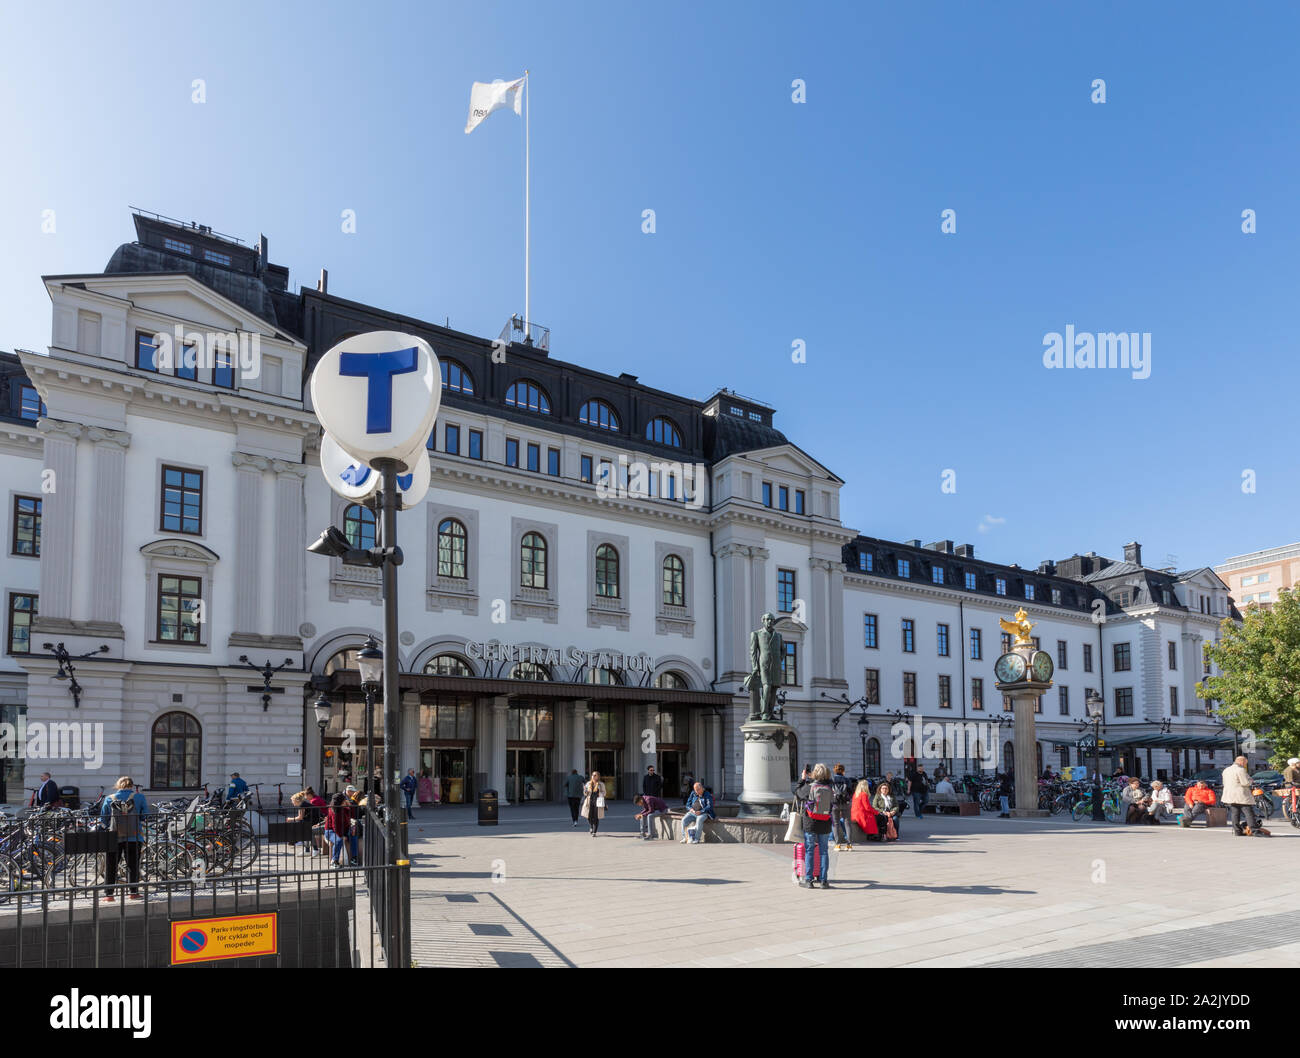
(485, 98)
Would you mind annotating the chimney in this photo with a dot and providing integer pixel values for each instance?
(323, 283)
(913, 543)
(1133, 553)
(262, 253)
(1047, 566)
(965, 551)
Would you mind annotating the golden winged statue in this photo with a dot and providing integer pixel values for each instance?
(1020, 627)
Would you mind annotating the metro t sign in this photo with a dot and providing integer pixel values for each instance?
(378, 395)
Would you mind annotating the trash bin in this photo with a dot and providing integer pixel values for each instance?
(487, 808)
(71, 796)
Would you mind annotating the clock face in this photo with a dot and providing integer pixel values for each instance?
(1042, 666)
(1009, 668)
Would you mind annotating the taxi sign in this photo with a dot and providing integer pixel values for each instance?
(231, 937)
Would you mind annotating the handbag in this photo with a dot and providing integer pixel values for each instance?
(600, 800)
(891, 831)
(794, 831)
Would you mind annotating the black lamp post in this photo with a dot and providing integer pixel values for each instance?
(1096, 706)
(370, 660)
(266, 672)
(66, 669)
(863, 724)
(322, 709)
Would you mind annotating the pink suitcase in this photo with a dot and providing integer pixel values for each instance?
(796, 875)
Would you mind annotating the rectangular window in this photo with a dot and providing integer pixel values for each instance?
(534, 457)
(182, 501)
(904, 568)
(1006, 642)
(869, 630)
(970, 581)
(1123, 657)
(1002, 585)
(187, 364)
(976, 693)
(605, 474)
(27, 526)
(22, 611)
(145, 351)
(866, 561)
(176, 246)
(452, 437)
(1056, 596)
(945, 692)
(584, 469)
(30, 405)
(872, 689)
(936, 574)
(783, 497)
(1087, 657)
(512, 452)
(476, 444)
(798, 501)
(785, 590)
(223, 369)
(1173, 701)
(1123, 701)
(1029, 591)
(553, 462)
(909, 637)
(790, 665)
(178, 609)
(976, 645)
(941, 637)
(1173, 656)
(1063, 696)
(767, 494)
(217, 258)
(909, 689)
(1062, 656)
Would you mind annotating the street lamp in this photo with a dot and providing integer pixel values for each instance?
(266, 672)
(370, 660)
(66, 669)
(1096, 706)
(863, 725)
(322, 709)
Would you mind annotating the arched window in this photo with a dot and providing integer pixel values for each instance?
(602, 675)
(671, 681)
(873, 756)
(455, 377)
(342, 662)
(607, 571)
(1009, 758)
(532, 561)
(663, 431)
(1038, 758)
(529, 395)
(448, 665)
(529, 670)
(176, 752)
(453, 549)
(359, 525)
(599, 414)
(674, 581)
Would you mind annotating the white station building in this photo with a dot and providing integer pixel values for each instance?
(578, 588)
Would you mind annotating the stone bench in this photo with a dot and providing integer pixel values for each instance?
(959, 804)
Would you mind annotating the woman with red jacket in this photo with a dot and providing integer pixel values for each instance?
(338, 825)
(862, 813)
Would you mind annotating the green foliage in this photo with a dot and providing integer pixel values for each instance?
(1259, 685)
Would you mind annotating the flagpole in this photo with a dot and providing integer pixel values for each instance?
(527, 214)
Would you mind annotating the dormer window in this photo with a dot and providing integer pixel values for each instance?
(737, 411)
(599, 414)
(755, 416)
(217, 258)
(176, 246)
(528, 395)
(904, 568)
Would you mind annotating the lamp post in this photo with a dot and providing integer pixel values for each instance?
(1096, 706)
(322, 710)
(66, 669)
(370, 660)
(863, 724)
(266, 672)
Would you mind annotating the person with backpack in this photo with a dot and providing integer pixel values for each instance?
(122, 813)
(817, 796)
(841, 807)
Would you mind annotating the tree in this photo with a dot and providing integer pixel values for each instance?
(1259, 682)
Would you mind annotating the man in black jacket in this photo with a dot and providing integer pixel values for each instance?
(653, 784)
(47, 793)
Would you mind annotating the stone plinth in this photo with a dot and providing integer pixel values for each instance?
(766, 785)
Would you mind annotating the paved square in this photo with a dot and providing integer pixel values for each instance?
(953, 892)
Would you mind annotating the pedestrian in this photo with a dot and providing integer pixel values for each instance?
(862, 813)
(1197, 801)
(816, 795)
(573, 784)
(1004, 795)
(652, 784)
(841, 809)
(339, 828)
(409, 785)
(1240, 801)
(698, 808)
(47, 793)
(889, 809)
(650, 806)
(918, 788)
(236, 787)
(122, 813)
(593, 802)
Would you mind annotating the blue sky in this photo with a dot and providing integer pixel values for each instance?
(775, 221)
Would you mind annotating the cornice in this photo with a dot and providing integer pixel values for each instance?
(101, 435)
(854, 579)
(284, 468)
(245, 459)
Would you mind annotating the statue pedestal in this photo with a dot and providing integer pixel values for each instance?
(766, 782)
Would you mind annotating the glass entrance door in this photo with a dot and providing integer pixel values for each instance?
(672, 763)
(609, 763)
(450, 775)
(526, 775)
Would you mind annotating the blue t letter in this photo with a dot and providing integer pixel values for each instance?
(378, 369)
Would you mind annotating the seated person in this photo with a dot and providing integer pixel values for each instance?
(699, 807)
(945, 787)
(650, 806)
(1135, 802)
(1196, 800)
(861, 812)
(1160, 805)
(887, 807)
